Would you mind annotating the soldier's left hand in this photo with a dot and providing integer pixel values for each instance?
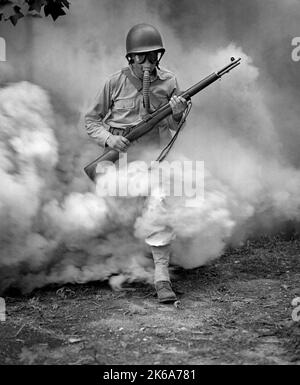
(178, 105)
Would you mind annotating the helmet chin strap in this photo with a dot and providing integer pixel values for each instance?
(158, 61)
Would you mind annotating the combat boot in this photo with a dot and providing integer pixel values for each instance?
(164, 291)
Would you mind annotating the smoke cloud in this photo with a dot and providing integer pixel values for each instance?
(55, 226)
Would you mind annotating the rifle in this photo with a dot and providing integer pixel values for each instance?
(152, 119)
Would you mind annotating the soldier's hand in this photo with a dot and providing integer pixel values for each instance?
(178, 105)
(118, 143)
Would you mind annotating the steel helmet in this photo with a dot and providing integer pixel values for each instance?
(143, 38)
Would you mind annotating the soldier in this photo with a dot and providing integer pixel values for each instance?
(127, 97)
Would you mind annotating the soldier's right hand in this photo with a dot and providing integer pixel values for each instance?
(118, 143)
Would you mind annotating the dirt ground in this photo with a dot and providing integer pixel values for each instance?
(236, 310)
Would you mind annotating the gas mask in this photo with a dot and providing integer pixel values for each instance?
(148, 61)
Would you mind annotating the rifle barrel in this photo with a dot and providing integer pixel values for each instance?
(229, 67)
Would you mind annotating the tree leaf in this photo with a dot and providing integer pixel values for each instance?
(19, 3)
(54, 9)
(17, 15)
(65, 3)
(36, 5)
(13, 10)
(7, 10)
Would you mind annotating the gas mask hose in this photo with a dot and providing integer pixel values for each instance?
(146, 88)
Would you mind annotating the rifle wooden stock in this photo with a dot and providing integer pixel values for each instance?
(152, 119)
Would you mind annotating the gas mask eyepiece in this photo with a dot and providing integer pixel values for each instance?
(153, 57)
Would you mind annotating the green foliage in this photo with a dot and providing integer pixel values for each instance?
(14, 10)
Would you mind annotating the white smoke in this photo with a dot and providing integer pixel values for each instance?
(48, 235)
(56, 227)
(27, 147)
